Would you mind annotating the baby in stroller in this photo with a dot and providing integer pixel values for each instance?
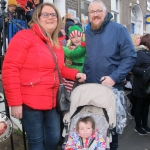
(85, 136)
(109, 108)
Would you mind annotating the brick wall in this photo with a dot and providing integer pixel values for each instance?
(72, 4)
(125, 10)
(125, 14)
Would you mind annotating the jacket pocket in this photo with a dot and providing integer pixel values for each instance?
(32, 81)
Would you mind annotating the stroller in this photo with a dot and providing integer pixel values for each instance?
(98, 101)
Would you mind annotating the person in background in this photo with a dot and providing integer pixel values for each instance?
(12, 4)
(136, 39)
(110, 54)
(141, 108)
(68, 21)
(74, 53)
(62, 37)
(86, 132)
(30, 11)
(63, 31)
(20, 19)
(30, 78)
(88, 26)
(77, 22)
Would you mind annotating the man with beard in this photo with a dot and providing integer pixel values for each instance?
(110, 54)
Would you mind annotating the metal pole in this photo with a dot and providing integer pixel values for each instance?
(3, 6)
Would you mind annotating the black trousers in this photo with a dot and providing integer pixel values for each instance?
(141, 111)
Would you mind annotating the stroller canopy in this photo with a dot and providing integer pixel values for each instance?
(93, 94)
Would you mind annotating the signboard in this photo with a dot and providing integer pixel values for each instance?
(73, 12)
(5, 127)
(147, 19)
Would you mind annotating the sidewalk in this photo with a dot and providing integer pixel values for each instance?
(130, 140)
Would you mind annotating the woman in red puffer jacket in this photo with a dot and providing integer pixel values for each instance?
(30, 78)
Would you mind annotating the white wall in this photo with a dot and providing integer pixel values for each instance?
(51, 1)
(61, 6)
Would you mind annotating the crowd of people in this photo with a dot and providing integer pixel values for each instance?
(104, 53)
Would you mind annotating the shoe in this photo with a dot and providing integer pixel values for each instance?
(147, 129)
(140, 131)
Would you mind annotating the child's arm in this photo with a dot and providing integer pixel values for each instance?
(76, 53)
(70, 145)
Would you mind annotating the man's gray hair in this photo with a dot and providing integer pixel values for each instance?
(101, 2)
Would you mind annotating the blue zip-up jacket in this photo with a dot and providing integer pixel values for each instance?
(109, 52)
(13, 28)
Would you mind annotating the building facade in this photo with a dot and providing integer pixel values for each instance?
(134, 14)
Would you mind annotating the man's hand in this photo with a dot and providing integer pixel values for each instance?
(16, 111)
(106, 80)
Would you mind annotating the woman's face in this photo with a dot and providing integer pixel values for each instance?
(137, 40)
(12, 8)
(70, 15)
(36, 2)
(76, 40)
(48, 19)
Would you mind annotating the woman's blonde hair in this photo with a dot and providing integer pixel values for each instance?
(67, 16)
(35, 19)
(134, 37)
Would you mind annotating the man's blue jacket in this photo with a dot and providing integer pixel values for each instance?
(109, 52)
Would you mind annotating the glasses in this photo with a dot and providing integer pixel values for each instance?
(46, 15)
(97, 12)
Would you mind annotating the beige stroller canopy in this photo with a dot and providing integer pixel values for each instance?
(93, 94)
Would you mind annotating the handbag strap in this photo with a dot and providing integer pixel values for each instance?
(59, 75)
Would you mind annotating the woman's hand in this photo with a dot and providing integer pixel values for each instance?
(16, 111)
(81, 77)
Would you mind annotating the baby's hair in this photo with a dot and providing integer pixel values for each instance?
(86, 120)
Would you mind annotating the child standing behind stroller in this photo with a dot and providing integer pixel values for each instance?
(74, 52)
(85, 136)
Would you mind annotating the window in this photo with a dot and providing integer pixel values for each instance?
(115, 10)
(84, 13)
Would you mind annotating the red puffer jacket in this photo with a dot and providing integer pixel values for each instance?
(29, 72)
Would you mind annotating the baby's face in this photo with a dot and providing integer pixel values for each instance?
(85, 130)
(76, 40)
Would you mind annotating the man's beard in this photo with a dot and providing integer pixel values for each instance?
(96, 27)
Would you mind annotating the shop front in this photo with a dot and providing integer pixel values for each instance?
(136, 20)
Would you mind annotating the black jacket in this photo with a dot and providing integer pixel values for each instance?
(69, 22)
(142, 63)
(30, 13)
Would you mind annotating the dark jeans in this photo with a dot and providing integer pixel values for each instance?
(114, 143)
(42, 128)
(141, 112)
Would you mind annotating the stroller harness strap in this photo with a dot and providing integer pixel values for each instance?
(89, 144)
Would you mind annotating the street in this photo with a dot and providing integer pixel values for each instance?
(130, 140)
